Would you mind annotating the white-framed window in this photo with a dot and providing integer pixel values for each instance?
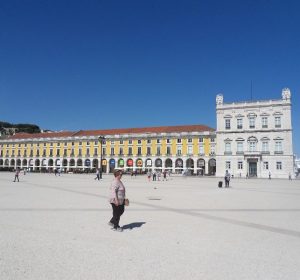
(239, 123)
(139, 151)
(87, 143)
(266, 165)
(240, 165)
(148, 141)
(88, 151)
(121, 141)
(130, 151)
(201, 149)
(168, 141)
(95, 151)
(121, 151)
(227, 123)
(264, 122)
(212, 140)
(227, 147)
(252, 146)
(265, 146)
(148, 150)
(112, 151)
(277, 121)
(240, 147)
(278, 146)
(190, 150)
(178, 140)
(279, 165)
(200, 139)
(190, 140)
(168, 150)
(103, 151)
(251, 122)
(158, 150)
(179, 151)
(212, 149)
(158, 141)
(227, 165)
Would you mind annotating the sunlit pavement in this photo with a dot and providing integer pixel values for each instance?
(185, 228)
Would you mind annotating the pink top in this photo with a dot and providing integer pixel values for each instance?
(117, 190)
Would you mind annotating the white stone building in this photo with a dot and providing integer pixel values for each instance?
(254, 138)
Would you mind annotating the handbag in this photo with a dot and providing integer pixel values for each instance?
(126, 202)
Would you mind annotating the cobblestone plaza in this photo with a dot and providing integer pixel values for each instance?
(185, 228)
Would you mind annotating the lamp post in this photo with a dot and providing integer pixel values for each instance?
(101, 140)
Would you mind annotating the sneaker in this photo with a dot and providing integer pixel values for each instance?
(119, 229)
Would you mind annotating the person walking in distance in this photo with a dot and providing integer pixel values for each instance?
(227, 179)
(117, 199)
(17, 173)
(97, 174)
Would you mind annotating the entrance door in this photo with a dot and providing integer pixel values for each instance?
(252, 169)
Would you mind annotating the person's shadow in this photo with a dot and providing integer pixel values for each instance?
(133, 225)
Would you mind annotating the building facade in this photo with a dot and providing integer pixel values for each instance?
(175, 148)
(254, 138)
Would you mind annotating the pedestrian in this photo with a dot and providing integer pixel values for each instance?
(24, 171)
(117, 199)
(290, 176)
(269, 175)
(165, 175)
(158, 175)
(17, 174)
(154, 176)
(149, 175)
(227, 179)
(97, 174)
(131, 174)
(55, 172)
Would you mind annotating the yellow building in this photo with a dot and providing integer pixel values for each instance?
(175, 148)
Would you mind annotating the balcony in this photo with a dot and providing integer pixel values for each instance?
(265, 152)
(252, 154)
(228, 153)
(278, 152)
(240, 152)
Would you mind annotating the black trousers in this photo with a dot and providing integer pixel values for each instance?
(16, 177)
(117, 213)
(226, 183)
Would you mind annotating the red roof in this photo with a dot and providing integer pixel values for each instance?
(159, 129)
(41, 135)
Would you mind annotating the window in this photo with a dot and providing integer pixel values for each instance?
(139, 141)
(112, 151)
(121, 151)
(252, 146)
(227, 147)
(95, 151)
(158, 151)
(51, 144)
(148, 141)
(87, 151)
(44, 144)
(19, 153)
(139, 150)
(227, 165)
(103, 151)
(121, 142)
(130, 150)
(80, 153)
(240, 147)
(13, 153)
(168, 150)
(278, 146)
(58, 144)
(44, 153)
(227, 124)
(266, 165)
(190, 140)
(178, 151)
(251, 122)
(190, 150)
(87, 143)
(264, 122)
(65, 152)
(178, 140)
(201, 140)
(158, 141)
(129, 141)
(168, 141)
(265, 146)
(201, 150)
(240, 165)
(277, 122)
(212, 140)
(80, 143)
(51, 153)
(148, 151)
(279, 165)
(58, 153)
(96, 143)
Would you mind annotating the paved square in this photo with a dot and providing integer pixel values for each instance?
(185, 228)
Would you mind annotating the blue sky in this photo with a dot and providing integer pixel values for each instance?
(69, 65)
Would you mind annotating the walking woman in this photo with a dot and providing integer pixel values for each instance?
(117, 199)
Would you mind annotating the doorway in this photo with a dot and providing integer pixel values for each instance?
(252, 169)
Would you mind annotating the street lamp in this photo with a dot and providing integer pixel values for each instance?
(101, 140)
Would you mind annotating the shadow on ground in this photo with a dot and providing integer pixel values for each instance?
(133, 225)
